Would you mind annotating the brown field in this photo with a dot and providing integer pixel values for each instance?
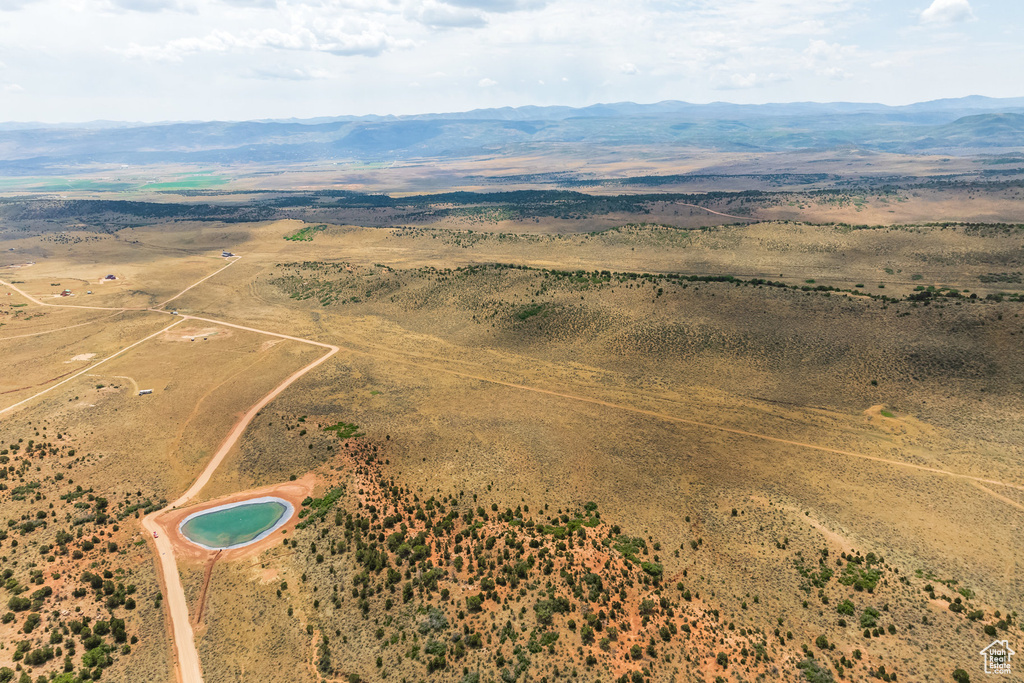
(749, 432)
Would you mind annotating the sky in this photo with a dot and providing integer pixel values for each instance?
(160, 60)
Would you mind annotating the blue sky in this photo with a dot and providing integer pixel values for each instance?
(151, 60)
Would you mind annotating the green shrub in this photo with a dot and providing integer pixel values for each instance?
(652, 568)
(815, 672)
(861, 579)
(31, 621)
(19, 604)
(869, 618)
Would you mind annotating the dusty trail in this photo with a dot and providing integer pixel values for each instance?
(189, 670)
(207, 573)
(719, 213)
(707, 425)
(187, 658)
(187, 664)
(114, 308)
(38, 384)
(202, 399)
(60, 329)
(199, 282)
(91, 367)
(43, 303)
(242, 423)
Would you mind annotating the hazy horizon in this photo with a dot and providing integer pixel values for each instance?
(199, 60)
(381, 114)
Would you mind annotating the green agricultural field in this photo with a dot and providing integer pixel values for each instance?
(196, 182)
(36, 184)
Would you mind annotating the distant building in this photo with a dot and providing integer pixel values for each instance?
(110, 277)
(143, 392)
(66, 292)
(226, 254)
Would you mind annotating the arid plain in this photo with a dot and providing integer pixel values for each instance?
(771, 437)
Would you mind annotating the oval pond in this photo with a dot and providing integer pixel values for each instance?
(236, 524)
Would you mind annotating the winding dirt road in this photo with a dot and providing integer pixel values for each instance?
(43, 303)
(719, 213)
(187, 664)
(979, 481)
(189, 670)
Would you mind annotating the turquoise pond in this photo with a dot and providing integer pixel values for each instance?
(236, 524)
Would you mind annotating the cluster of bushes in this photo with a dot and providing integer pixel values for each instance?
(113, 595)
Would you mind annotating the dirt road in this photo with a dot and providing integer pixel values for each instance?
(43, 303)
(719, 213)
(187, 663)
(187, 659)
(60, 329)
(91, 367)
(707, 425)
(199, 282)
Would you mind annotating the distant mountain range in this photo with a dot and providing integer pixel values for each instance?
(951, 126)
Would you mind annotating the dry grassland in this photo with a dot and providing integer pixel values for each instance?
(826, 420)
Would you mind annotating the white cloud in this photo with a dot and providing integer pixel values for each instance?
(12, 88)
(828, 59)
(282, 73)
(152, 6)
(500, 5)
(947, 12)
(269, 58)
(741, 81)
(252, 4)
(748, 81)
(175, 50)
(443, 15)
(336, 37)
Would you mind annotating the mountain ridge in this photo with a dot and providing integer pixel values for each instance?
(940, 126)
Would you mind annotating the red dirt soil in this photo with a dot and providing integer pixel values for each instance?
(293, 491)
